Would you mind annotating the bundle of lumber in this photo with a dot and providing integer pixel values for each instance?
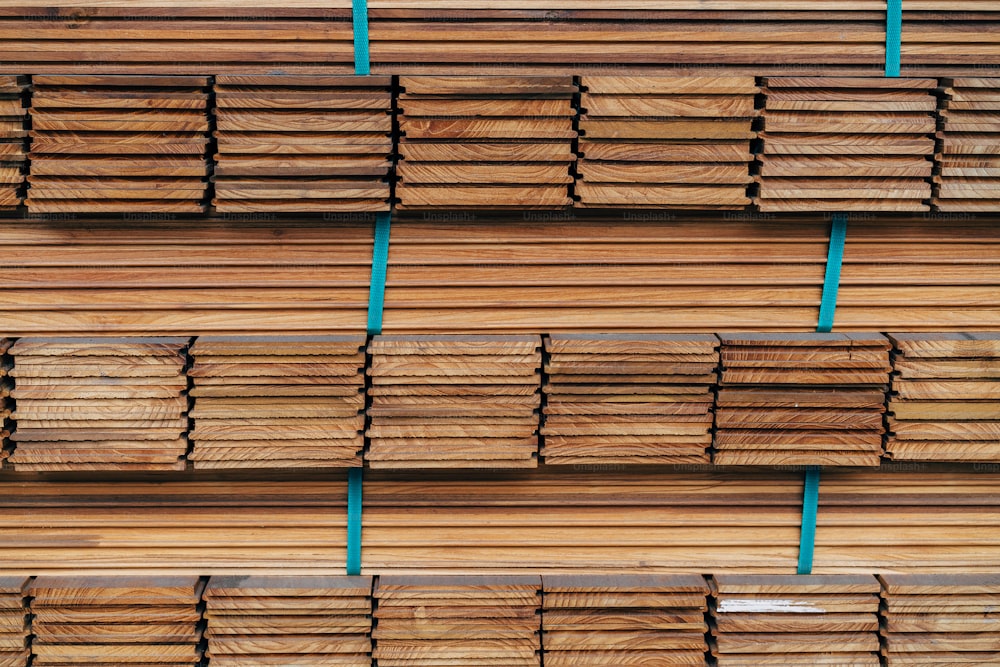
(281, 620)
(278, 402)
(457, 620)
(14, 624)
(302, 143)
(801, 399)
(454, 401)
(969, 152)
(951, 37)
(940, 620)
(943, 405)
(597, 620)
(795, 621)
(6, 404)
(81, 620)
(665, 142)
(122, 144)
(629, 398)
(13, 147)
(847, 144)
(485, 142)
(100, 403)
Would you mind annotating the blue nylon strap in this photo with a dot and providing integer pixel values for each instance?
(354, 497)
(810, 505)
(831, 283)
(380, 265)
(893, 36)
(362, 58)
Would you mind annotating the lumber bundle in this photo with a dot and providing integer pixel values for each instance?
(118, 144)
(940, 620)
(81, 620)
(943, 405)
(485, 142)
(261, 621)
(795, 621)
(100, 403)
(278, 402)
(457, 620)
(454, 401)
(847, 144)
(14, 623)
(801, 399)
(953, 37)
(302, 143)
(13, 141)
(629, 398)
(597, 620)
(969, 150)
(665, 142)
(6, 403)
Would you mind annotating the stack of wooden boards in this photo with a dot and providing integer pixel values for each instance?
(969, 154)
(454, 401)
(795, 621)
(99, 621)
(945, 401)
(122, 144)
(6, 404)
(598, 620)
(629, 398)
(13, 149)
(662, 142)
(14, 623)
(806, 399)
(940, 620)
(278, 402)
(100, 403)
(463, 621)
(302, 143)
(485, 142)
(847, 144)
(287, 620)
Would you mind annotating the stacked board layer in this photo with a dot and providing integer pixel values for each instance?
(813, 399)
(13, 146)
(118, 144)
(655, 142)
(278, 402)
(467, 621)
(454, 401)
(302, 144)
(100, 403)
(279, 620)
(847, 144)
(940, 620)
(629, 398)
(944, 401)
(597, 620)
(485, 142)
(6, 404)
(15, 625)
(969, 154)
(116, 621)
(795, 621)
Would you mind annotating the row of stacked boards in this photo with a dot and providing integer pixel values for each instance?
(92, 144)
(555, 620)
(499, 402)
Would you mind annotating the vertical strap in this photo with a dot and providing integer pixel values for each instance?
(831, 283)
(810, 505)
(362, 58)
(380, 265)
(893, 36)
(354, 498)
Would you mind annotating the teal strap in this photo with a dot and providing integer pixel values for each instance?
(380, 265)
(354, 497)
(810, 504)
(893, 36)
(362, 58)
(831, 283)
